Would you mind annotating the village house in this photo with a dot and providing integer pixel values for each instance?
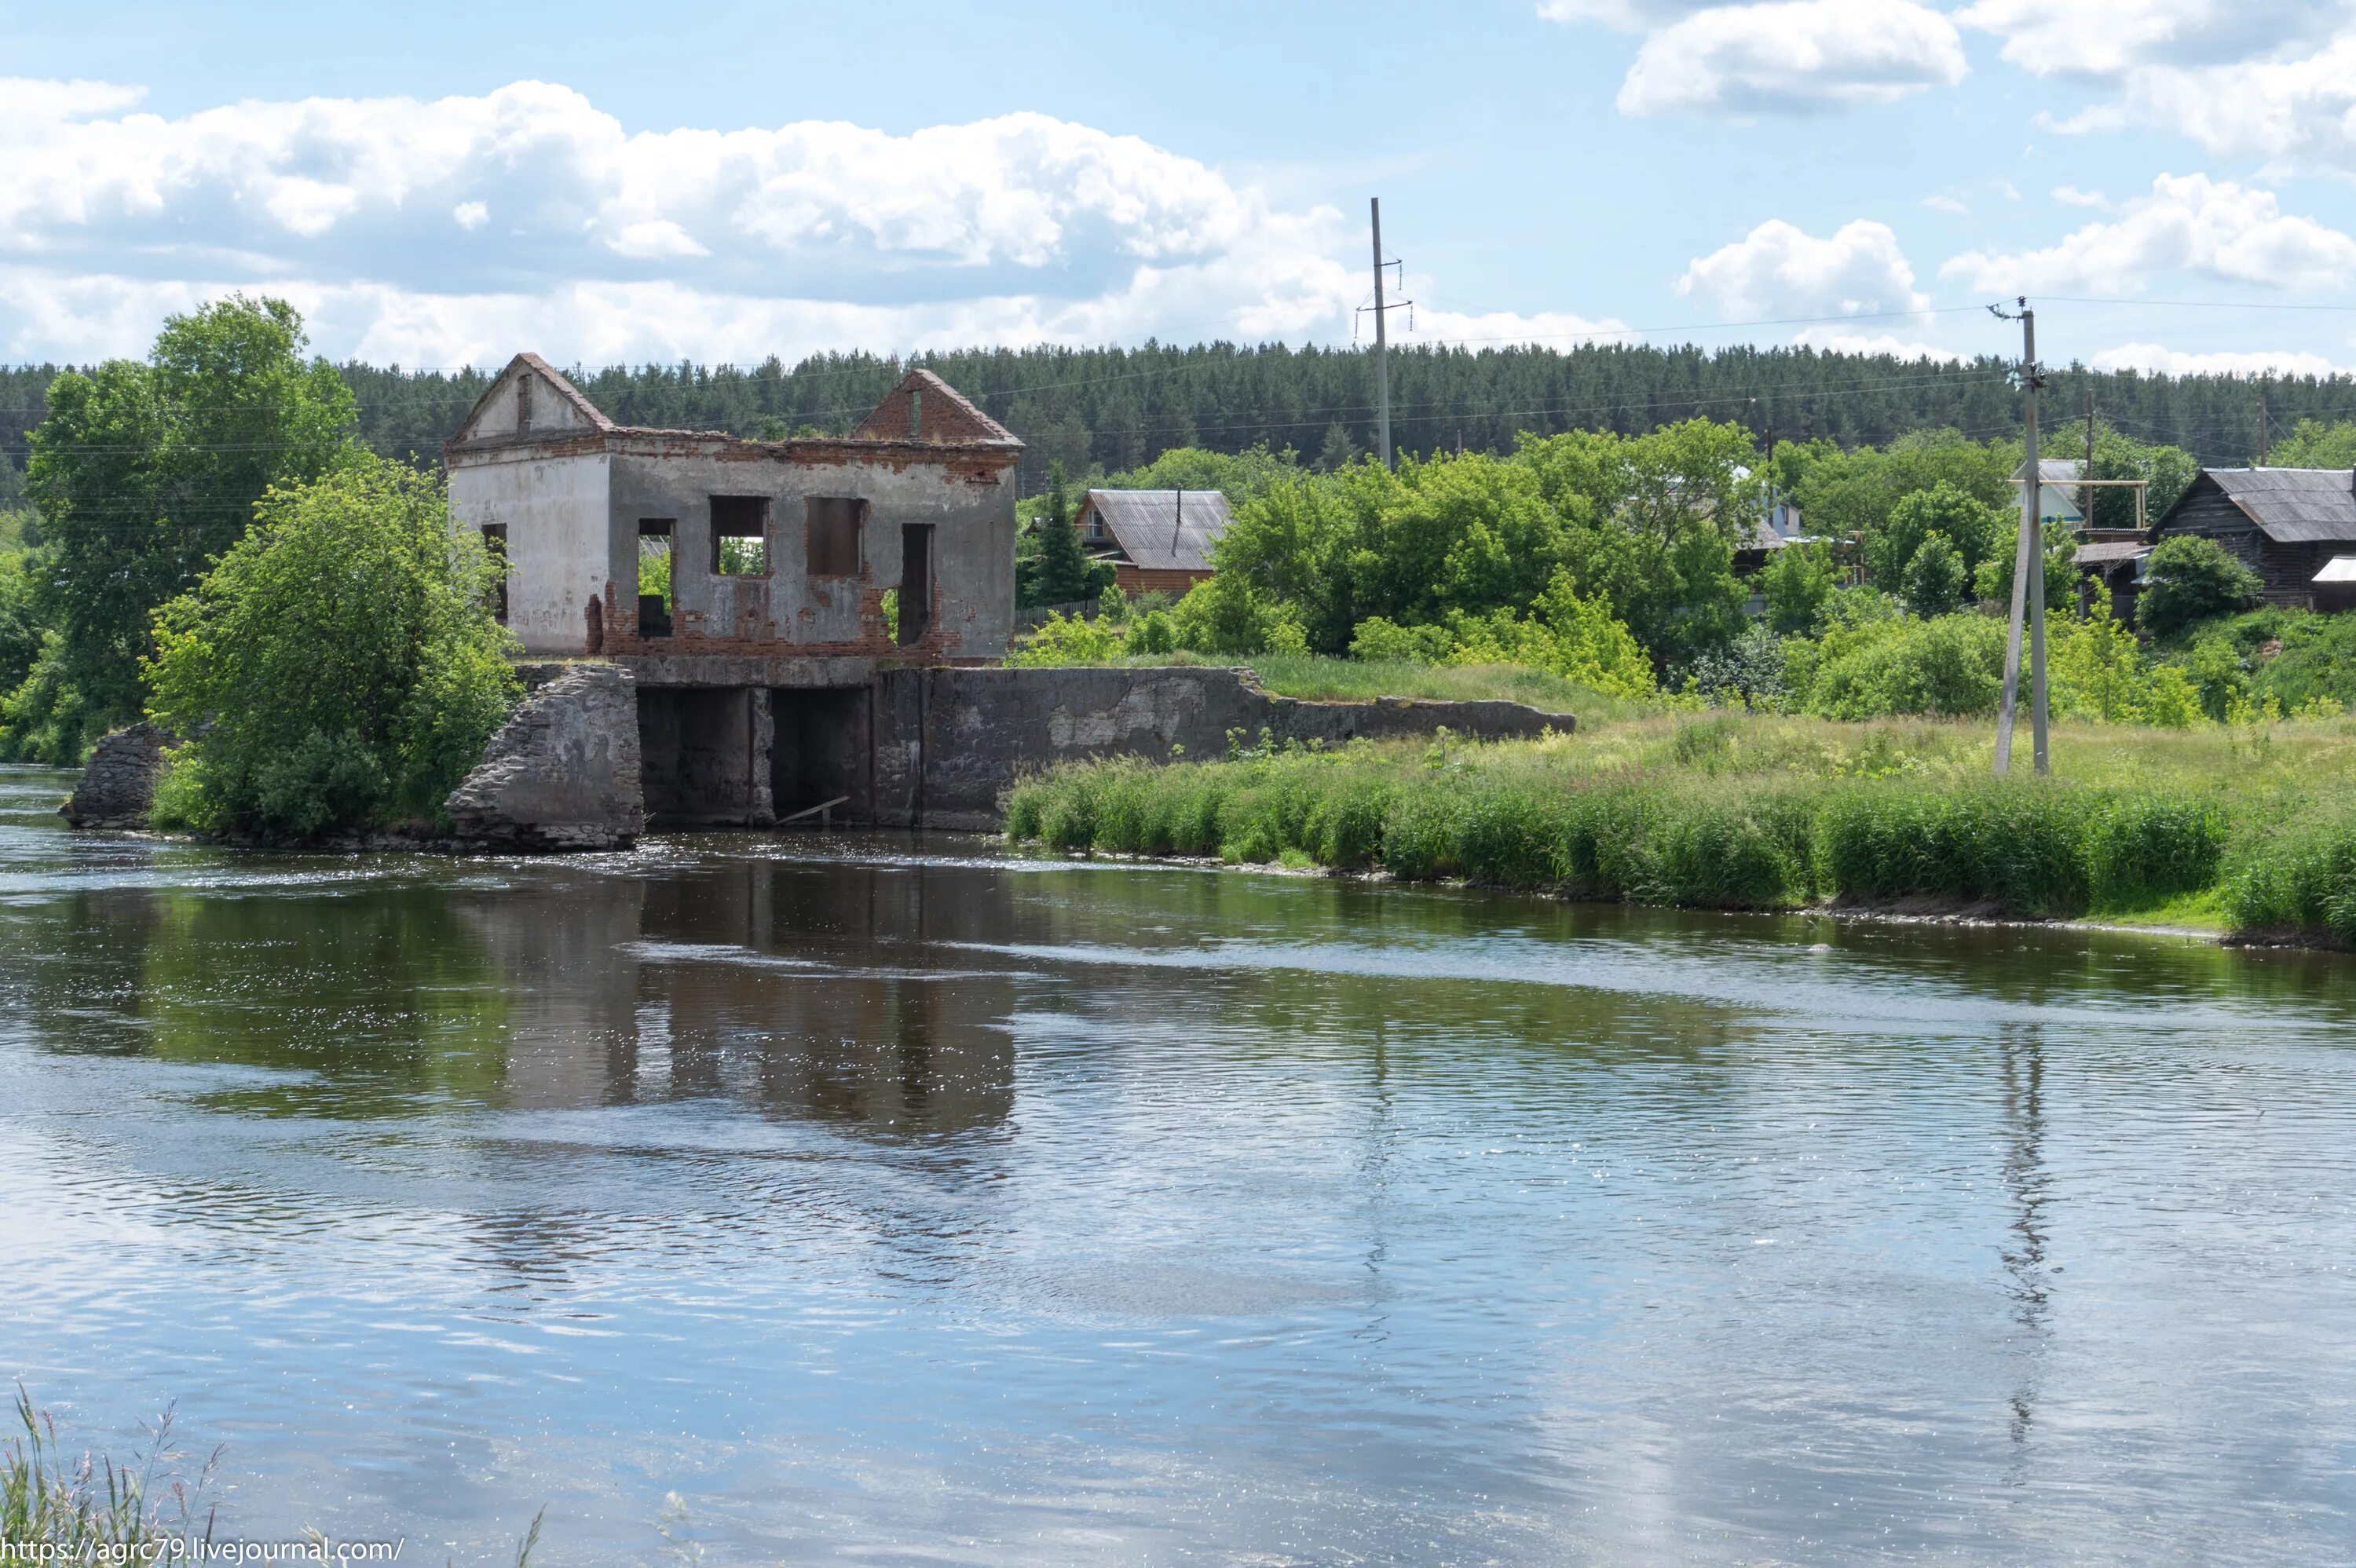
(2060, 491)
(2295, 528)
(1158, 540)
(755, 591)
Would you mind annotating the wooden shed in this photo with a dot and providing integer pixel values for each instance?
(1158, 540)
(2286, 524)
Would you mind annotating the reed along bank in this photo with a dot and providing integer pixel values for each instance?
(2249, 831)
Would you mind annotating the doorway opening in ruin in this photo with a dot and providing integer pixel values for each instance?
(495, 545)
(654, 536)
(820, 752)
(916, 581)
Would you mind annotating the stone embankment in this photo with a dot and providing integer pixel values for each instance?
(563, 772)
(118, 788)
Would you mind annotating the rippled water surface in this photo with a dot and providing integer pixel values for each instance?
(887, 1199)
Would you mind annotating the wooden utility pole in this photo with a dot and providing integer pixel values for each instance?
(2261, 431)
(1382, 344)
(2028, 572)
(2086, 508)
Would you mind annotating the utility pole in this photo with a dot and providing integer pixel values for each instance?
(2027, 569)
(1382, 344)
(2086, 503)
(2261, 430)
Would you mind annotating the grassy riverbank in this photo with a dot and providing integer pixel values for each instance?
(2249, 829)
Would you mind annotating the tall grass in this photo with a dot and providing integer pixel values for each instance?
(91, 1509)
(1735, 812)
(2300, 883)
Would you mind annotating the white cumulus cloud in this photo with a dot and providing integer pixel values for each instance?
(2151, 357)
(2107, 38)
(1793, 56)
(2294, 112)
(2189, 223)
(715, 242)
(1626, 15)
(1780, 271)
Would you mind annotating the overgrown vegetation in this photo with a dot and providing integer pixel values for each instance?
(90, 1509)
(144, 472)
(339, 668)
(2254, 827)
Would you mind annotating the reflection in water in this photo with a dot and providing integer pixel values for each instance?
(2021, 1053)
(878, 1197)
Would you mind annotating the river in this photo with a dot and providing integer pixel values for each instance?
(897, 1199)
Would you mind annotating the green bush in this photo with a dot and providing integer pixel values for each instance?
(1344, 829)
(339, 665)
(2019, 845)
(2189, 578)
(2148, 848)
(1934, 581)
(1423, 834)
(1506, 834)
(1731, 852)
(1969, 531)
(1377, 639)
(1948, 666)
(1797, 582)
(2303, 882)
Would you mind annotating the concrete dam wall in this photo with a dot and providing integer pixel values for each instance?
(599, 750)
(905, 748)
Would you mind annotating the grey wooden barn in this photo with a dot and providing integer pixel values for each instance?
(2286, 524)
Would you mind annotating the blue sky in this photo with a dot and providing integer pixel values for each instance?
(442, 184)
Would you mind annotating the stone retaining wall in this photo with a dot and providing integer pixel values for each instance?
(981, 729)
(118, 786)
(563, 773)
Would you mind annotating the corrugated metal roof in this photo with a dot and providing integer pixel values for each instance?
(1158, 530)
(2104, 553)
(2051, 470)
(2293, 505)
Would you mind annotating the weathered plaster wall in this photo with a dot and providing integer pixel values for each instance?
(969, 502)
(556, 512)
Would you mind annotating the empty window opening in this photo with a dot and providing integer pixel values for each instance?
(740, 536)
(654, 577)
(495, 545)
(916, 581)
(831, 536)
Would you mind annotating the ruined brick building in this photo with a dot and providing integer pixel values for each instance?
(759, 592)
(760, 629)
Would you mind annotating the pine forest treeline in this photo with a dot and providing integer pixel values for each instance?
(1110, 409)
